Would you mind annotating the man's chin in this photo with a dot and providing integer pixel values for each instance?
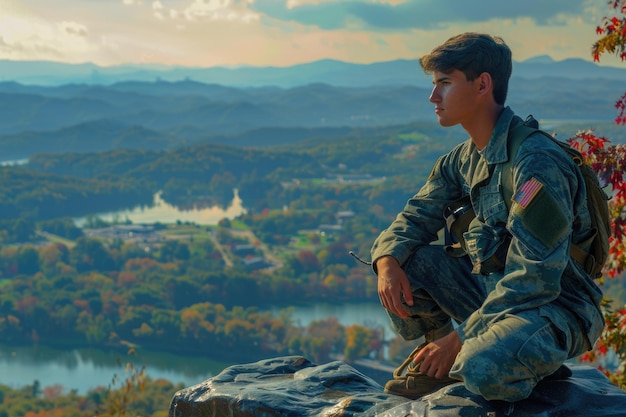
(445, 123)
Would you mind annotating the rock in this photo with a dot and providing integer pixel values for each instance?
(293, 386)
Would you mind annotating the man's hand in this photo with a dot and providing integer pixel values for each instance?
(438, 357)
(393, 286)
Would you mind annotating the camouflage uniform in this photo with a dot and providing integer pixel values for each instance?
(520, 323)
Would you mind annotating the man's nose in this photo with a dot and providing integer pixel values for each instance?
(434, 95)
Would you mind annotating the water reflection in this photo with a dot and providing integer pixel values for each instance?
(368, 314)
(85, 369)
(163, 212)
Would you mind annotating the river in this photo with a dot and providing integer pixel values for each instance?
(86, 369)
(89, 368)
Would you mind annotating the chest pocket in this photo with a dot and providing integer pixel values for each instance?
(487, 239)
(491, 207)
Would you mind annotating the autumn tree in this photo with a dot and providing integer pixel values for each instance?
(359, 342)
(612, 31)
(608, 162)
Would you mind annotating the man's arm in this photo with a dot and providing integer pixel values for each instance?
(438, 357)
(416, 225)
(393, 286)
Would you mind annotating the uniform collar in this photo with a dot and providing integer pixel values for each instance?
(496, 150)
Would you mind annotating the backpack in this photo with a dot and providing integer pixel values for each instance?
(460, 213)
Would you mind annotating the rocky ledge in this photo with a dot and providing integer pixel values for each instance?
(293, 386)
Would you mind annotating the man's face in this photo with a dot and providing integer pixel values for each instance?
(454, 97)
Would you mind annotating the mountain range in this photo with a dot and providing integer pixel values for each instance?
(337, 73)
(142, 109)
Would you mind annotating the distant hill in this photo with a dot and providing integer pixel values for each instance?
(182, 107)
(332, 72)
(54, 107)
(166, 115)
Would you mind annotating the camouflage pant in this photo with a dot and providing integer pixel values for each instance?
(509, 356)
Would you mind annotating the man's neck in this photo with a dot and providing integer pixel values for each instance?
(481, 128)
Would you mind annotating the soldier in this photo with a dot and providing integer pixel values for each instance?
(511, 310)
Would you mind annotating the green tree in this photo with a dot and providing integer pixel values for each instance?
(36, 388)
(27, 260)
(91, 255)
(22, 230)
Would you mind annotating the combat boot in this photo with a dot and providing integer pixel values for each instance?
(414, 384)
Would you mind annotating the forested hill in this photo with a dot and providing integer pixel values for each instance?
(32, 195)
(167, 115)
(261, 174)
(400, 156)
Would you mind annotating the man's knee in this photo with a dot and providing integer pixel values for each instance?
(493, 379)
(510, 358)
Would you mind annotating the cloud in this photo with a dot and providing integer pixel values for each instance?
(416, 14)
(157, 9)
(201, 10)
(229, 10)
(73, 28)
(296, 3)
(284, 32)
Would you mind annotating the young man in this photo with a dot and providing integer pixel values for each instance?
(522, 306)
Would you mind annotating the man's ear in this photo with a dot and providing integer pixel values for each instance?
(484, 83)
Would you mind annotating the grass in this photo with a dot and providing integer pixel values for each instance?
(303, 241)
(414, 136)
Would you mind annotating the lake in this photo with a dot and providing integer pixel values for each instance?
(85, 369)
(163, 212)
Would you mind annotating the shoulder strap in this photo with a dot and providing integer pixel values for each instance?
(518, 133)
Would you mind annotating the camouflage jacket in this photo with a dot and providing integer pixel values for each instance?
(549, 213)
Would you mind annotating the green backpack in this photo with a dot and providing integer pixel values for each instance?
(459, 214)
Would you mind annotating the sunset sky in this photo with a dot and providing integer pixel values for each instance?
(210, 33)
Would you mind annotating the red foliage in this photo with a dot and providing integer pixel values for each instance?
(613, 31)
(609, 163)
(620, 105)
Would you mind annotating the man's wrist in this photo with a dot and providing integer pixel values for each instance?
(385, 262)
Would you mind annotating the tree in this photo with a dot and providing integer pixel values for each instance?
(22, 230)
(36, 388)
(358, 342)
(91, 255)
(608, 162)
(613, 40)
(52, 258)
(27, 260)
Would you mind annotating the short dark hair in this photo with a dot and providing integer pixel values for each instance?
(474, 53)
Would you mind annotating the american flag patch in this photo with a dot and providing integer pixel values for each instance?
(527, 192)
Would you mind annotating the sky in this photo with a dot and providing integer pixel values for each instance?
(209, 33)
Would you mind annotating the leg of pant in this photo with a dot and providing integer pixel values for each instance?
(443, 287)
(509, 358)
